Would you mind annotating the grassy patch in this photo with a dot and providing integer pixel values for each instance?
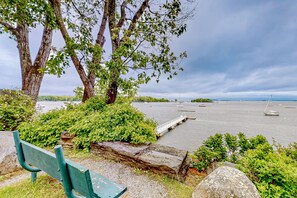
(45, 187)
(174, 188)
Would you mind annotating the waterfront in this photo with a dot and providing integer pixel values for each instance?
(218, 117)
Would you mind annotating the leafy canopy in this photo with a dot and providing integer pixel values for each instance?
(29, 12)
(140, 36)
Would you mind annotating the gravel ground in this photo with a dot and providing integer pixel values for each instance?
(14, 179)
(139, 186)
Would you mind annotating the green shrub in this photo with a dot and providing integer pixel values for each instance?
(224, 148)
(15, 108)
(93, 121)
(273, 172)
(212, 150)
(116, 123)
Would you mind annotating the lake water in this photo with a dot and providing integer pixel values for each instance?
(218, 117)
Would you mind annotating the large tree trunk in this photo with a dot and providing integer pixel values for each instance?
(32, 82)
(31, 74)
(112, 92)
(89, 93)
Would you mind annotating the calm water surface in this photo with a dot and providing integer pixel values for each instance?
(222, 117)
(219, 117)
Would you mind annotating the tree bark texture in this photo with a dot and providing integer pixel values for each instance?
(31, 71)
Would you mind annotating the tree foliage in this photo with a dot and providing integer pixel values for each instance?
(140, 34)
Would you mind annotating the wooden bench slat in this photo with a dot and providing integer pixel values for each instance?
(105, 188)
(41, 159)
(80, 179)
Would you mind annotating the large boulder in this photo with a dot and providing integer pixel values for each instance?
(226, 182)
(8, 158)
(216, 165)
(157, 158)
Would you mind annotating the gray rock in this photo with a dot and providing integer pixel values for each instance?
(216, 165)
(226, 182)
(157, 158)
(8, 158)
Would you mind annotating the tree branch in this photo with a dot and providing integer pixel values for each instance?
(12, 29)
(137, 15)
(79, 12)
(56, 4)
(100, 36)
(112, 25)
(44, 49)
(123, 14)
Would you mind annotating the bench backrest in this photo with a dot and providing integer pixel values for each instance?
(31, 156)
(41, 159)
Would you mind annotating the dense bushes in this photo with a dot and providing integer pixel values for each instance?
(15, 107)
(274, 171)
(90, 121)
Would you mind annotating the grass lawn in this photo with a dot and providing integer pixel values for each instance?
(45, 187)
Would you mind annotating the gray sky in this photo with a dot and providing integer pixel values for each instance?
(235, 49)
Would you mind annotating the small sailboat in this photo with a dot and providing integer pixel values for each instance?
(270, 112)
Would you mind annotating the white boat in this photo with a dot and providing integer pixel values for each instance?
(270, 112)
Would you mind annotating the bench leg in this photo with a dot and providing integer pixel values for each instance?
(33, 176)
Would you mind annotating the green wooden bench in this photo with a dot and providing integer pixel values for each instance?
(73, 176)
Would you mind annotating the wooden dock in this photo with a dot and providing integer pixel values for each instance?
(167, 126)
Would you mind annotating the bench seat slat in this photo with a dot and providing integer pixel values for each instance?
(80, 179)
(41, 159)
(100, 186)
(105, 188)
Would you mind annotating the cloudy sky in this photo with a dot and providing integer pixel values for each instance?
(235, 49)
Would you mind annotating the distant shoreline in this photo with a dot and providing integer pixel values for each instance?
(257, 100)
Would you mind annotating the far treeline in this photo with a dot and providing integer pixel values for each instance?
(59, 98)
(135, 99)
(202, 100)
(149, 99)
(76, 98)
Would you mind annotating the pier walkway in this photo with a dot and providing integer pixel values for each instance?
(167, 126)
